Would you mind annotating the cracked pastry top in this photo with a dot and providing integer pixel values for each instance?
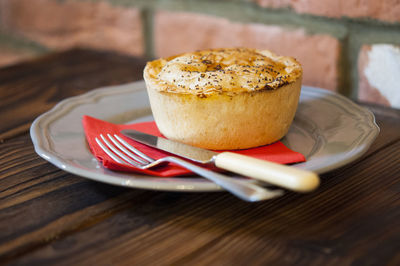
(228, 70)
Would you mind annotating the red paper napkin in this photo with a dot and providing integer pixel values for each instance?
(276, 152)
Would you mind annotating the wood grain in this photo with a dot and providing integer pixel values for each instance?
(48, 216)
(28, 90)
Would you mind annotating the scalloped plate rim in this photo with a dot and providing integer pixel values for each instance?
(186, 184)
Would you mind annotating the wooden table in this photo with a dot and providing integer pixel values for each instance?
(48, 216)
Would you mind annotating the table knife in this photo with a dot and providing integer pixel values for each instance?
(284, 176)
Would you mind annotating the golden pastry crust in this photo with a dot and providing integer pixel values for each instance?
(231, 70)
(256, 109)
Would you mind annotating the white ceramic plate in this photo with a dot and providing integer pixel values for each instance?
(328, 129)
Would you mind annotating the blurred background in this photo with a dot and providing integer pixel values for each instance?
(348, 46)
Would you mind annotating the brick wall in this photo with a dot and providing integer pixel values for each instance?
(348, 46)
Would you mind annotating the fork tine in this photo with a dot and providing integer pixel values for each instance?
(109, 153)
(122, 148)
(133, 149)
(117, 152)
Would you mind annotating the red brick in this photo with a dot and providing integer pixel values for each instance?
(379, 74)
(64, 24)
(273, 3)
(385, 10)
(317, 53)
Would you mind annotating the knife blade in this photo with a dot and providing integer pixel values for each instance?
(276, 174)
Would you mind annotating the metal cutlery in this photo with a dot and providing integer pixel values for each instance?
(288, 177)
(122, 152)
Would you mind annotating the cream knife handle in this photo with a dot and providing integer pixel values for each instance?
(277, 174)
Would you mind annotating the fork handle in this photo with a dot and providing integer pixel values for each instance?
(244, 190)
(276, 174)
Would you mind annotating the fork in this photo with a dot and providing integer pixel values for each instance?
(122, 152)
